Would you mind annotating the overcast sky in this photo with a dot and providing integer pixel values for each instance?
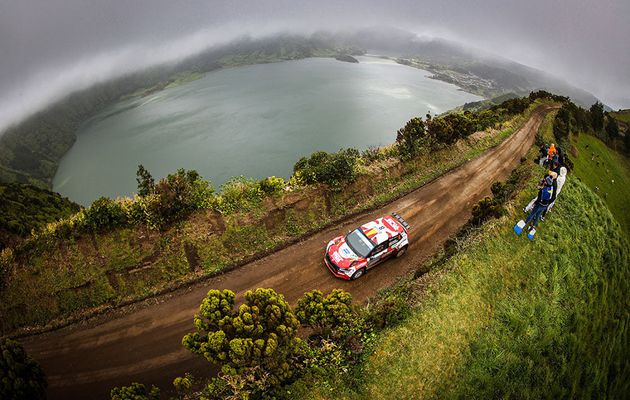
(48, 47)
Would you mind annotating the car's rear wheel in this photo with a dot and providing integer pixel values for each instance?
(358, 273)
(400, 252)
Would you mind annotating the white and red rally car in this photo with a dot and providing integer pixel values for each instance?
(350, 256)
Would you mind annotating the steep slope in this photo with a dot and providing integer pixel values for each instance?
(24, 208)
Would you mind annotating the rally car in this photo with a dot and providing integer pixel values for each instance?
(348, 257)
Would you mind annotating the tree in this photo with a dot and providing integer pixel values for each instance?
(136, 391)
(612, 128)
(20, 376)
(597, 116)
(261, 333)
(562, 123)
(409, 138)
(146, 183)
(325, 313)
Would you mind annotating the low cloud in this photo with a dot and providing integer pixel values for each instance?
(52, 48)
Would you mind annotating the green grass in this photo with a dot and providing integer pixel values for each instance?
(510, 318)
(607, 173)
(623, 115)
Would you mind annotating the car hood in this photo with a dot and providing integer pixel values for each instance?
(341, 254)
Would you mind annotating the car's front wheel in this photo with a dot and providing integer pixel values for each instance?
(358, 273)
(400, 252)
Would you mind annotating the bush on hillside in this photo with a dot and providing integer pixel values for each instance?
(325, 313)
(176, 195)
(20, 376)
(272, 185)
(104, 213)
(332, 169)
(24, 208)
(258, 338)
(412, 138)
(135, 391)
(242, 194)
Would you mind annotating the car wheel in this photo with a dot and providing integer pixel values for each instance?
(400, 252)
(359, 273)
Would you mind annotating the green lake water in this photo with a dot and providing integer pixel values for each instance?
(254, 120)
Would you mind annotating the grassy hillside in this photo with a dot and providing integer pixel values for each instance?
(24, 208)
(510, 318)
(621, 116)
(607, 173)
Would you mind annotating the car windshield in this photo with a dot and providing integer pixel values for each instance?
(359, 243)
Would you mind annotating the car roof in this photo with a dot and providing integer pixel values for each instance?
(382, 229)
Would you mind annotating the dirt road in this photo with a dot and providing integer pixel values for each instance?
(144, 345)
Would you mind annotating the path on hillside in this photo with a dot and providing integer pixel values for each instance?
(144, 344)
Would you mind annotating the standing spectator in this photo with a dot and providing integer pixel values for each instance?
(546, 196)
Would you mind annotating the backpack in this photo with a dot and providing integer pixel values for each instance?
(545, 194)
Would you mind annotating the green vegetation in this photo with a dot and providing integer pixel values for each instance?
(21, 378)
(116, 252)
(325, 312)
(605, 172)
(135, 391)
(257, 343)
(622, 116)
(257, 346)
(24, 208)
(331, 169)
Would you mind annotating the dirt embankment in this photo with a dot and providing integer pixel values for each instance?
(144, 345)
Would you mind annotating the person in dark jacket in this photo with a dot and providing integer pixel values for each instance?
(546, 196)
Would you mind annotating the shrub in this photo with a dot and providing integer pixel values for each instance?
(20, 376)
(172, 197)
(239, 193)
(104, 214)
(272, 185)
(183, 384)
(325, 313)
(371, 154)
(6, 260)
(411, 138)
(261, 333)
(332, 169)
(389, 311)
(136, 391)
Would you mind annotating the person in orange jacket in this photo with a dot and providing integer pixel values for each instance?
(550, 154)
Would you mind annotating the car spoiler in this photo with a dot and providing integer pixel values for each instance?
(401, 220)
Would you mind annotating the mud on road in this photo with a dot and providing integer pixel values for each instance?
(144, 345)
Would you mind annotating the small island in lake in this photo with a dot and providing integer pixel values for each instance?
(346, 58)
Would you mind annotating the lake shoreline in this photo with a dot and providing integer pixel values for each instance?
(255, 120)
